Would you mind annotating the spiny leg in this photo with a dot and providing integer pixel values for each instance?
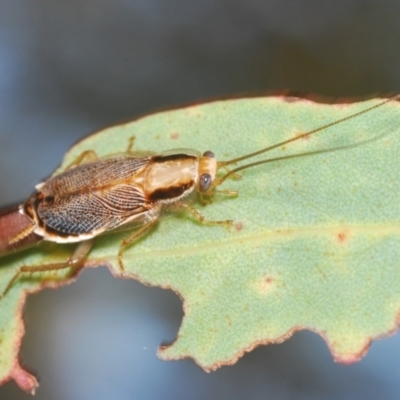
(90, 155)
(28, 230)
(130, 144)
(136, 235)
(75, 262)
(235, 175)
(85, 157)
(206, 198)
(197, 215)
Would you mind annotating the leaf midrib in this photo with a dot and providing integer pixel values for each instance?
(265, 236)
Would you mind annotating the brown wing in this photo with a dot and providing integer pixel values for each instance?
(92, 211)
(94, 175)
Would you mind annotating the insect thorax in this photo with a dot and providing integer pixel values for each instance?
(171, 177)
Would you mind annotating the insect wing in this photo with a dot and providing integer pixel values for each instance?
(93, 198)
(94, 175)
(92, 212)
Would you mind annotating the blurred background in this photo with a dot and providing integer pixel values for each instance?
(69, 67)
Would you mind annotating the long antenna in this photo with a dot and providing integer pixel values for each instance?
(219, 181)
(312, 132)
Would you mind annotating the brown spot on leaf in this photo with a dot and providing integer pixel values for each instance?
(269, 280)
(174, 135)
(342, 237)
(264, 285)
(239, 226)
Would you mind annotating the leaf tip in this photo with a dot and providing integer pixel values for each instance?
(26, 381)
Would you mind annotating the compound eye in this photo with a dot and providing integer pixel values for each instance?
(205, 182)
(209, 154)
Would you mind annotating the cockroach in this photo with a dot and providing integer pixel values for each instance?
(94, 196)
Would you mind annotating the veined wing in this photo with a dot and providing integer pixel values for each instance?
(92, 211)
(94, 175)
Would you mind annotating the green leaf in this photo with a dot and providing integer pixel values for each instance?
(316, 238)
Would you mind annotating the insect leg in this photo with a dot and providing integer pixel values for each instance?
(136, 235)
(130, 144)
(86, 156)
(75, 262)
(228, 192)
(196, 214)
(91, 155)
(22, 235)
(207, 198)
(234, 175)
